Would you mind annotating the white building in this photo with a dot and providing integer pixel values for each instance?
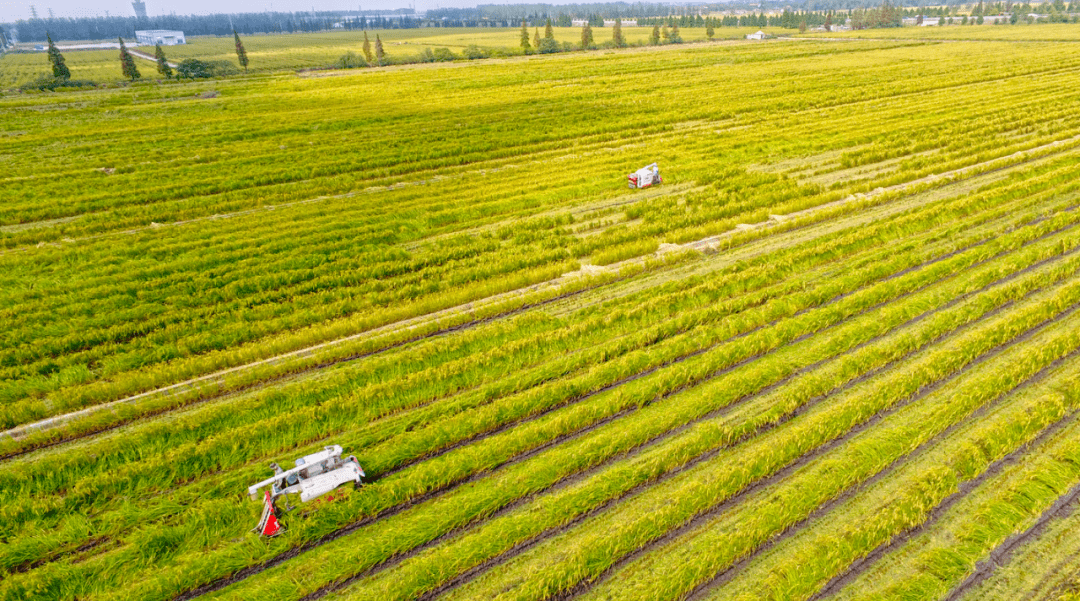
(625, 23)
(579, 22)
(165, 37)
(758, 35)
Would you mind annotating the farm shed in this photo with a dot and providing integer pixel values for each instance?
(165, 37)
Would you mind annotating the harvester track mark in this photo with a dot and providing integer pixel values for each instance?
(1002, 553)
(704, 517)
(855, 569)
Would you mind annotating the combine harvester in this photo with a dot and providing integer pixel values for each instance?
(645, 177)
(313, 476)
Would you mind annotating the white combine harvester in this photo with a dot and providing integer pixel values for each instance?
(313, 476)
(645, 177)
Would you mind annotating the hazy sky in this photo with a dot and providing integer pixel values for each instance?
(13, 10)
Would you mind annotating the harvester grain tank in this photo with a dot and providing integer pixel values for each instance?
(645, 177)
(313, 476)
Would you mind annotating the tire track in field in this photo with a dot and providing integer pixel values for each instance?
(703, 517)
(660, 438)
(58, 555)
(1001, 554)
(854, 570)
(1045, 587)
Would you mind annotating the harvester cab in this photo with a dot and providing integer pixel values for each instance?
(313, 476)
(645, 177)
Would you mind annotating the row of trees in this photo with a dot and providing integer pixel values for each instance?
(787, 19)
(378, 57)
(814, 14)
(190, 68)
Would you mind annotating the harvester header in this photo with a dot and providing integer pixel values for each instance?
(313, 476)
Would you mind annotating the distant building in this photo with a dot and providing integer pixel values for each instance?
(140, 8)
(165, 37)
(758, 35)
(625, 23)
(914, 21)
(579, 22)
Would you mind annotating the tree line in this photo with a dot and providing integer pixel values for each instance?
(101, 28)
(188, 68)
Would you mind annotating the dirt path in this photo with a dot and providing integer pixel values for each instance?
(147, 57)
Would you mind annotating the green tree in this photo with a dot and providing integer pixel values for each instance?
(525, 38)
(380, 55)
(586, 37)
(654, 37)
(676, 37)
(828, 22)
(616, 34)
(350, 60)
(709, 31)
(241, 54)
(59, 68)
(548, 46)
(664, 33)
(127, 62)
(536, 38)
(367, 50)
(162, 65)
(548, 33)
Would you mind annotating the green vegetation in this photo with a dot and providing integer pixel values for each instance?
(833, 355)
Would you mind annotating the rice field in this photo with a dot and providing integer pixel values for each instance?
(835, 355)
